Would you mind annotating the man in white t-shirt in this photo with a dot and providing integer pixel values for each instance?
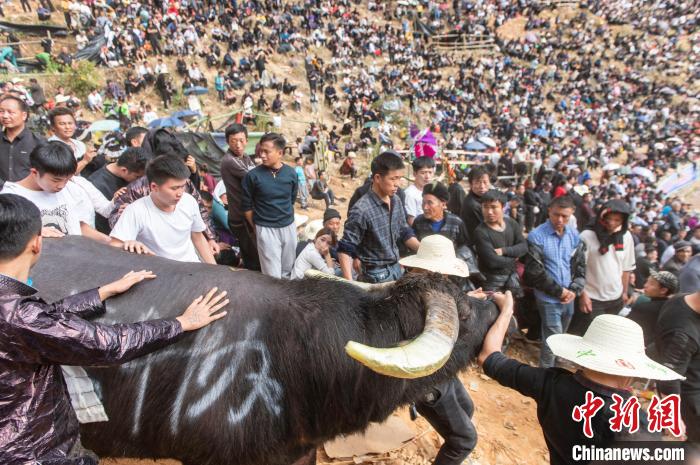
(610, 261)
(62, 122)
(423, 172)
(167, 222)
(149, 115)
(48, 186)
(94, 101)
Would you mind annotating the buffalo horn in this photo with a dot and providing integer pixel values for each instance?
(425, 354)
(365, 286)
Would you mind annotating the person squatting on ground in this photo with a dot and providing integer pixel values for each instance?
(39, 424)
(316, 255)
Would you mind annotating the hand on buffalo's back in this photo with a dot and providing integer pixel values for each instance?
(124, 284)
(202, 311)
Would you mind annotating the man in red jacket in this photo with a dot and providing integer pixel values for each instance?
(37, 423)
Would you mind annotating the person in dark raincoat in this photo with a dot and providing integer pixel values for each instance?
(37, 422)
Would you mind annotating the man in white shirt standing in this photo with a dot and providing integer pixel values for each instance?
(610, 261)
(167, 222)
(423, 172)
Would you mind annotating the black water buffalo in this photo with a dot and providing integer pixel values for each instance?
(272, 380)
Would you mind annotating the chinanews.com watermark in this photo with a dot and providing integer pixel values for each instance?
(652, 452)
(663, 415)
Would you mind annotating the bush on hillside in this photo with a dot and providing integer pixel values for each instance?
(81, 79)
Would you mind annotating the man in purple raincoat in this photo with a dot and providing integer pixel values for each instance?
(37, 423)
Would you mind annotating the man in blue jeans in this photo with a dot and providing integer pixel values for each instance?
(555, 267)
(375, 224)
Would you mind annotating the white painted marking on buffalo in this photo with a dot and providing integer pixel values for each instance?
(200, 376)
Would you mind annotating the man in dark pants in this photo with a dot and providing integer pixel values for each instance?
(234, 167)
(610, 261)
(447, 407)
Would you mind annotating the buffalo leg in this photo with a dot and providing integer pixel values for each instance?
(307, 459)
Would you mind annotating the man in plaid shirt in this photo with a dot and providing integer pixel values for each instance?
(376, 223)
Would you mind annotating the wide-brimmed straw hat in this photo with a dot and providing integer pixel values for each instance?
(614, 345)
(300, 220)
(437, 253)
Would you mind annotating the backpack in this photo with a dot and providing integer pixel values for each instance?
(162, 141)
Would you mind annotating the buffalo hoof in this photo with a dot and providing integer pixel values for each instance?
(307, 459)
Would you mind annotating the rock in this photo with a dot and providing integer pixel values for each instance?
(484, 377)
(509, 425)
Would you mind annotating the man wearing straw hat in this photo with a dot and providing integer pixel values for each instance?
(447, 407)
(610, 355)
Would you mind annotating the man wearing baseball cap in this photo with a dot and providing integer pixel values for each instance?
(683, 250)
(610, 355)
(658, 287)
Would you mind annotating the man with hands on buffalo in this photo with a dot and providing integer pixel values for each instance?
(447, 407)
(37, 423)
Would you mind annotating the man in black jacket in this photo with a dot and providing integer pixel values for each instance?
(678, 347)
(647, 307)
(234, 166)
(479, 184)
(17, 141)
(499, 243)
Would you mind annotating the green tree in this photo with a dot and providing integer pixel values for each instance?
(81, 79)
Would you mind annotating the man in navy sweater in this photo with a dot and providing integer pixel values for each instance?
(269, 191)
